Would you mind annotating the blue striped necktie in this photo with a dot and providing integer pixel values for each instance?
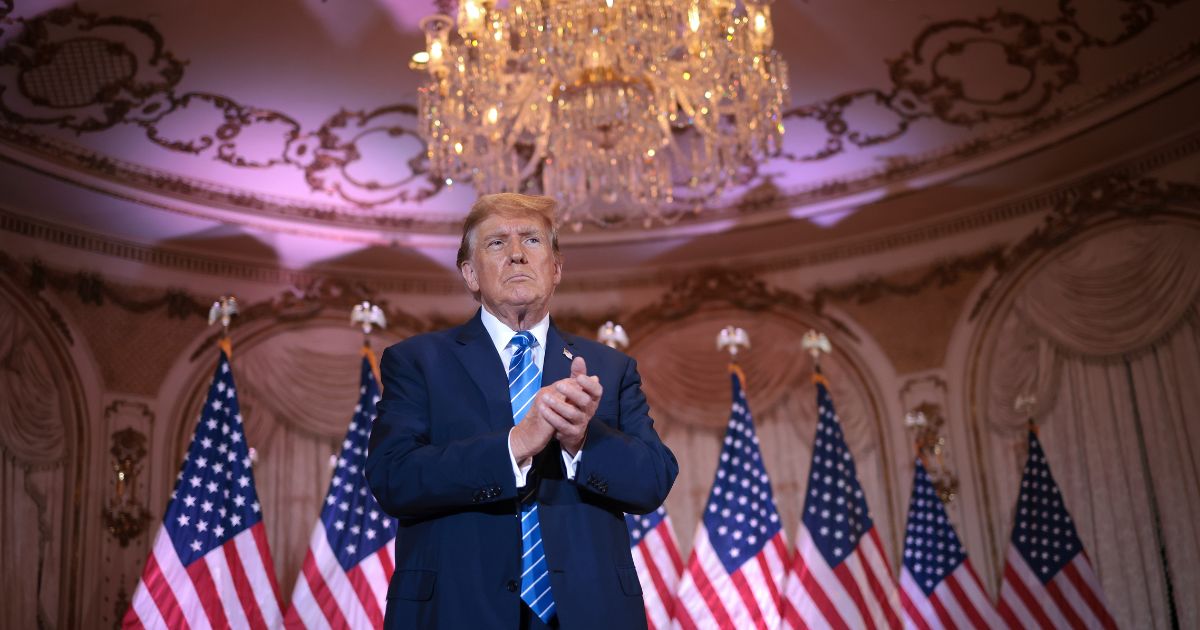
(524, 380)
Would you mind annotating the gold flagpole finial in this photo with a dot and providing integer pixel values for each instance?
(367, 316)
(816, 343)
(223, 311)
(731, 338)
(612, 335)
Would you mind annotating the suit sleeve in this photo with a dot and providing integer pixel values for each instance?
(628, 464)
(413, 478)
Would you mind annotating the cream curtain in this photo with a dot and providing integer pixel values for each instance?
(31, 478)
(1106, 336)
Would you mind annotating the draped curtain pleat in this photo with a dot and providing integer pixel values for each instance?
(1106, 336)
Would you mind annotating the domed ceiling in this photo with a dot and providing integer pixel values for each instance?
(193, 124)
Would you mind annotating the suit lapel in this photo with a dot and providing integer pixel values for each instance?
(556, 366)
(478, 357)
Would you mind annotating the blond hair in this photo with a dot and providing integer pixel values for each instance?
(508, 204)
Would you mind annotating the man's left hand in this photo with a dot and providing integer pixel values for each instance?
(569, 414)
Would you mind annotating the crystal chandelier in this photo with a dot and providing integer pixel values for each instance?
(621, 109)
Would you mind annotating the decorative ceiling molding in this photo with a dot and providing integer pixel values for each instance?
(142, 80)
(1097, 201)
(1061, 196)
(1100, 199)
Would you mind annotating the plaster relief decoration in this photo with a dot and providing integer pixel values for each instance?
(125, 517)
(81, 86)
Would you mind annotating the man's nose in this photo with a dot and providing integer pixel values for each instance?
(517, 253)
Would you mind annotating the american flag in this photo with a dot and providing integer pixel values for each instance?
(210, 565)
(738, 558)
(938, 586)
(656, 556)
(1048, 581)
(839, 576)
(351, 555)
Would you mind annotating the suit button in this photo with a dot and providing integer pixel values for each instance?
(511, 586)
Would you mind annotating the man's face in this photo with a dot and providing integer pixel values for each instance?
(512, 264)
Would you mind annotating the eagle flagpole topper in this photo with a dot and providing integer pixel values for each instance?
(731, 338)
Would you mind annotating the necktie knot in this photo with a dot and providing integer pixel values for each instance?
(522, 340)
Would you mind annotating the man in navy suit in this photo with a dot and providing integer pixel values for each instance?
(509, 450)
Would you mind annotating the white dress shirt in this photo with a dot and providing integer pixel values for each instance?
(501, 335)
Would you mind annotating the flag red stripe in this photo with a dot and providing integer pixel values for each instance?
(1008, 615)
(939, 609)
(1089, 596)
(385, 560)
(660, 585)
(322, 595)
(822, 600)
(1064, 606)
(914, 615)
(672, 548)
(851, 587)
(708, 593)
(683, 617)
(206, 591)
(164, 598)
(772, 589)
(245, 591)
(264, 554)
(748, 600)
(964, 601)
(1031, 604)
(365, 595)
(881, 596)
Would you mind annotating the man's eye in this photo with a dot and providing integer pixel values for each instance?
(494, 243)
(533, 239)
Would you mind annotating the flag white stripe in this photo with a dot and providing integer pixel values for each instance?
(306, 606)
(376, 579)
(976, 596)
(218, 567)
(256, 573)
(752, 571)
(871, 553)
(854, 564)
(143, 602)
(181, 583)
(655, 611)
(721, 582)
(1075, 600)
(826, 580)
(924, 607)
(1034, 586)
(330, 572)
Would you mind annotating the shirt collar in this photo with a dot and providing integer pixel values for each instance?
(501, 334)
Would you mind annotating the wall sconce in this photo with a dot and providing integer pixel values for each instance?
(124, 517)
(925, 421)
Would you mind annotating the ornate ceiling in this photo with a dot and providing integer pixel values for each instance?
(258, 129)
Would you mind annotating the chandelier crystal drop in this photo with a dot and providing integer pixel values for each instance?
(623, 110)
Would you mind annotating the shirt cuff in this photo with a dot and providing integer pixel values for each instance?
(521, 472)
(571, 462)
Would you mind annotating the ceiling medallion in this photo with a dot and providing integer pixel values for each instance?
(623, 110)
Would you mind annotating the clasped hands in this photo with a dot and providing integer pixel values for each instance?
(560, 410)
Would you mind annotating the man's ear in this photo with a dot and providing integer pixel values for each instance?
(468, 274)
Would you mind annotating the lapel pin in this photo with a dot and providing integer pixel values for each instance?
(567, 353)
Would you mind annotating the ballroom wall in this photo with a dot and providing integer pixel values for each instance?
(1084, 295)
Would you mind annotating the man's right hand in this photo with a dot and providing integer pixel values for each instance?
(532, 433)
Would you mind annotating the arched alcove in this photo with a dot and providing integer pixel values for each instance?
(1102, 329)
(297, 384)
(687, 383)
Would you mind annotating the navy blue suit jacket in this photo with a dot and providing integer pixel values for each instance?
(439, 463)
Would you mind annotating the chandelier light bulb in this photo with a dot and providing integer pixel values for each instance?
(635, 112)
